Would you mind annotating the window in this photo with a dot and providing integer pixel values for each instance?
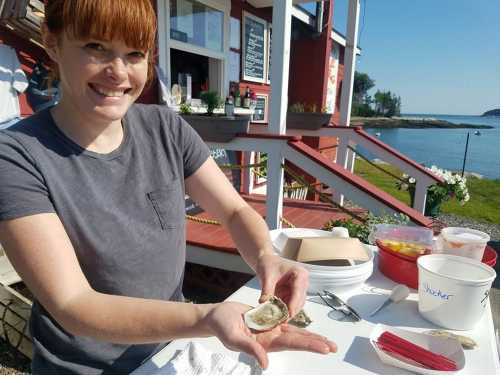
(196, 66)
(197, 24)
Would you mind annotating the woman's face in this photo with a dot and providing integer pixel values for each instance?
(100, 79)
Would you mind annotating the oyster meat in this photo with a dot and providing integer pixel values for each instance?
(267, 315)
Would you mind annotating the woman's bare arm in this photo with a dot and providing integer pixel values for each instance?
(43, 255)
(211, 189)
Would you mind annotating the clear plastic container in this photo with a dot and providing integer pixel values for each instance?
(465, 242)
(402, 235)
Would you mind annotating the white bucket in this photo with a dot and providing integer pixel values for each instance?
(452, 290)
(465, 242)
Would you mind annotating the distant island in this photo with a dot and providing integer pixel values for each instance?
(493, 112)
(411, 123)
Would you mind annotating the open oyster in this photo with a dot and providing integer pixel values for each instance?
(267, 315)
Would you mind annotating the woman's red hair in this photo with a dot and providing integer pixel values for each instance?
(132, 21)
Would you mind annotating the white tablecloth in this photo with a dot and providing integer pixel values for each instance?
(355, 355)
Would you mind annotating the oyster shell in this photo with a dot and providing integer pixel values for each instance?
(300, 320)
(466, 342)
(267, 315)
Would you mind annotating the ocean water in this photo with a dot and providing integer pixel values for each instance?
(445, 148)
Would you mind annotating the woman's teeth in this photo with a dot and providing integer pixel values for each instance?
(108, 93)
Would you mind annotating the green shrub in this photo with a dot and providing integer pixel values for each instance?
(185, 109)
(212, 100)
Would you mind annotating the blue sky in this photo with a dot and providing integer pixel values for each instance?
(441, 57)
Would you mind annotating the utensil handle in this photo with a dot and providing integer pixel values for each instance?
(386, 302)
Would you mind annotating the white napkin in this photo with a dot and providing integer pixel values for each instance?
(194, 359)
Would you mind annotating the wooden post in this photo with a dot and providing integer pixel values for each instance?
(348, 82)
(420, 196)
(280, 57)
(342, 153)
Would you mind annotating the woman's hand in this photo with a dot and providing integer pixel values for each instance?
(284, 279)
(226, 322)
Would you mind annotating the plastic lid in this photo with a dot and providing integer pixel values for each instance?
(402, 233)
(464, 235)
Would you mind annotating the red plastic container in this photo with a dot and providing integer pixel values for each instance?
(403, 269)
(490, 256)
(399, 268)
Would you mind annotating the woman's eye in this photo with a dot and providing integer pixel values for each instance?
(95, 47)
(137, 55)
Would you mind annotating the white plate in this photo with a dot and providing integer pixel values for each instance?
(448, 347)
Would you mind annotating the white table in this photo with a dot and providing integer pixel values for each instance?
(355, 355)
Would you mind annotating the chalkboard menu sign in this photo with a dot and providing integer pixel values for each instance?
(254, 49)
(260, 111)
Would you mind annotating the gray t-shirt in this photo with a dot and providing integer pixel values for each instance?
(123, 211)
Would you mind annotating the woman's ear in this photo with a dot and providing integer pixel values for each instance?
(50, 42)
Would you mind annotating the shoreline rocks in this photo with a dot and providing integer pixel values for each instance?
(411, 123)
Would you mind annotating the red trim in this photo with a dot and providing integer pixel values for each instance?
(361, 184)
(304, 214)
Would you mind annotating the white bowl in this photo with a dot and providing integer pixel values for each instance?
(332, 278)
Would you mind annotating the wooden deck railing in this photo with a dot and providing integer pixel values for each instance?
(315, 164)
(349, 137)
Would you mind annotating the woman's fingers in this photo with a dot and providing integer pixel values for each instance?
(292, 338)
(297, 282)
(285, 328)
(250, 346)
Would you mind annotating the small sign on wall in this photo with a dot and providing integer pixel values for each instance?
(261, 109)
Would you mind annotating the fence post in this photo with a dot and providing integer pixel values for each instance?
(420, 197)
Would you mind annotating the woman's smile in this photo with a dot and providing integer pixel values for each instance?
(109, 92)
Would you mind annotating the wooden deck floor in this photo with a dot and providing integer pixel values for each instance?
(303, 214)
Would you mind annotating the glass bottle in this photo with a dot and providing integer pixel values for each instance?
(229, 106)
(237, 97)
(246, 99)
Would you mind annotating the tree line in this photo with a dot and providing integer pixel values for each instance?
(383, 103)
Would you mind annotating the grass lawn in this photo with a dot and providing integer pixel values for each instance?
(484, 204)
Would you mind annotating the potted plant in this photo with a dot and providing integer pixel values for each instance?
(454, 186)
(362, 230)
(306, 116)
(213, 127)
(212, 100)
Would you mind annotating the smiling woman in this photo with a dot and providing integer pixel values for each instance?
(92, 212)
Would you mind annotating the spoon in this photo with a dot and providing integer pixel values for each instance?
(398, 293)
